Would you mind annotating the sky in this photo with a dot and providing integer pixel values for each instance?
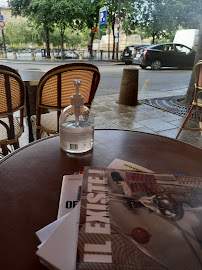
(3, 3)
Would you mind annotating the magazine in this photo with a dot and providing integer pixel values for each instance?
(134, 220)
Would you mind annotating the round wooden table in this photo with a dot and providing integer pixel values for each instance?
(31, 177)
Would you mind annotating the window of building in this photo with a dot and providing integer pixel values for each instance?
(5, 16)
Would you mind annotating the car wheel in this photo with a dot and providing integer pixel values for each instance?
(143, 67)
(156, 65)
(128, 63)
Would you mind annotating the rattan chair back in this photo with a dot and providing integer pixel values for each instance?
(56, 86)
(12, 98)
(12, 93)
(3, 67)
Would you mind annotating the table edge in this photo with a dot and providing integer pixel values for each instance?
(53, 136)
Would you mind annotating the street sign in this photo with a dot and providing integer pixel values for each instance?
(117, 21)
(117, 37)
(2, 25)
(103, 16)
(94, 29)
(1, 17)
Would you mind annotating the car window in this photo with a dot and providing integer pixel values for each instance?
(182, 49)
(168, 47)
(160, 47)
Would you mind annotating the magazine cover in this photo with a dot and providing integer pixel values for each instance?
(133, 220)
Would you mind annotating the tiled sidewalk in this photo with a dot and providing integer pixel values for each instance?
(111, 115)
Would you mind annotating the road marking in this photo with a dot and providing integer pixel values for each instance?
(144, 88)
(108, 90)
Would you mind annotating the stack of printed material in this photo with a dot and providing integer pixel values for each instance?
(61, 236)
(59, 239)
(127, 219)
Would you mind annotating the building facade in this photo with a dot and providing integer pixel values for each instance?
(8, 17)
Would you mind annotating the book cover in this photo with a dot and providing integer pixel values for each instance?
(133, 220)
(70, 193)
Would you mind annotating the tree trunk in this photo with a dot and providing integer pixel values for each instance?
(191, 88)
(91, 44)
(47, 44)
(62, 44)
(153, 37)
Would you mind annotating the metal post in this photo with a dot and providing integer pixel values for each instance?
(3, 37)
(4, 42)
(108, 41)
(117, 50)
(98, 36)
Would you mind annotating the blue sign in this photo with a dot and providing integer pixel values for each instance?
(1, 17)
(103, 16)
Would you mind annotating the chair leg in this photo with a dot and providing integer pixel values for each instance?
(185, 120)
(38, 134)
(16, 145)
(4, 149)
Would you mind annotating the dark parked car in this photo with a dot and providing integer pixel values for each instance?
(129, 53)
(165, 55)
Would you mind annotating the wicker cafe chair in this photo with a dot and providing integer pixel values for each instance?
(55, 89)
(197, 101)
(2, 67)
(12, 98)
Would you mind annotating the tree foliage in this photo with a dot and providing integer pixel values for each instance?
(18, 34)
(161, 17)
(66, 13)
(158, 19)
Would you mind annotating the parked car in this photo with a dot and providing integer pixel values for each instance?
(68, 55)
(129, 53)
(165, 55)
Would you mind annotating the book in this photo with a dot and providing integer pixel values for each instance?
(134, 220)
(70, 193)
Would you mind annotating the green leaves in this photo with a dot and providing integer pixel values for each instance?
(161, 17)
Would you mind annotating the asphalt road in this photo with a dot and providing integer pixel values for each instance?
(149, 80)
(111, 75)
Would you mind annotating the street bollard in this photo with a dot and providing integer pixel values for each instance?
(4, 55)
(32, 56)
(14, 55)
(101, 52)
(129, 87)
(81, 57)
(52, 57)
